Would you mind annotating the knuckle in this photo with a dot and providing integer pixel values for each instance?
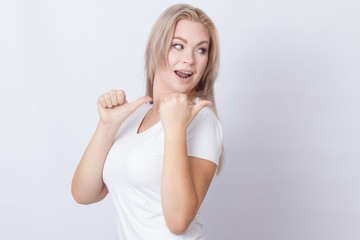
(183, 97)
(120, 94)
(101, 100)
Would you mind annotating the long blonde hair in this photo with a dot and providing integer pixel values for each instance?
(158, 47)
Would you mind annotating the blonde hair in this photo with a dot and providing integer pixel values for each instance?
(158, 47)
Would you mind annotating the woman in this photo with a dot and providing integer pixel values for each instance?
(157, 159)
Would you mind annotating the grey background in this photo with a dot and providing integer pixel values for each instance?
(288, 96)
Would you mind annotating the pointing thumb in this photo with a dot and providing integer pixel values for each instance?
(138, 102)
(197, 107)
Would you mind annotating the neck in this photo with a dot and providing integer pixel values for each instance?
(160, 93)
(159, 97)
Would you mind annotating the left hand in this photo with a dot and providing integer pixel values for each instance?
(175, 113)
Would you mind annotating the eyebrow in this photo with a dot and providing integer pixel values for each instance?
(180, 38)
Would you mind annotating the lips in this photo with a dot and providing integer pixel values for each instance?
(184, 74)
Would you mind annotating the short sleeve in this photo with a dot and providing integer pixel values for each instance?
(204, 136)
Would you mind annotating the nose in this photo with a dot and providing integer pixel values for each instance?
(188, 57)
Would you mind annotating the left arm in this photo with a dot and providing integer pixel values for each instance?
(185, 180)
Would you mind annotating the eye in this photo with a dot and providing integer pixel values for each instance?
(178, 46)
(201, 50)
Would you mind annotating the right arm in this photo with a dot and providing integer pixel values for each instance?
(87, 184)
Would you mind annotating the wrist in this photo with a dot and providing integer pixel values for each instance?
(174, 132)
(108, 127)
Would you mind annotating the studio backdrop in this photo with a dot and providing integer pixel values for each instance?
(287, 94)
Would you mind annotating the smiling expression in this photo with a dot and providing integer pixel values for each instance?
(187, 58)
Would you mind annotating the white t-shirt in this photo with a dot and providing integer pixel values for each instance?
(133, 170)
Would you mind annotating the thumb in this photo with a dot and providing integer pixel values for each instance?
(197, 107)
(138, 102)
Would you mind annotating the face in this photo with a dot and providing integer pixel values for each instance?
(187, 58)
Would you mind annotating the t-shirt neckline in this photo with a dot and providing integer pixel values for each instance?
(142, 117)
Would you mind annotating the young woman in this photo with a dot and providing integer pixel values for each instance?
(157, 155)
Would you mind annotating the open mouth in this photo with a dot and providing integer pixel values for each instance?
(183, 74)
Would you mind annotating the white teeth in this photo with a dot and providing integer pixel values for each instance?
(186, 72)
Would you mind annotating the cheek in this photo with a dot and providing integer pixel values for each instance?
(202, 64)
(172, 58)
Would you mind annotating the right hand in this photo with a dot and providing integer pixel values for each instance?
(114, 109)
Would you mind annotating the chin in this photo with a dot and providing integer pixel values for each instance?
(184, 87)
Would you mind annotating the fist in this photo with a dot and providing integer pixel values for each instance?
(176, 114)
(112, 98)
(114, 109)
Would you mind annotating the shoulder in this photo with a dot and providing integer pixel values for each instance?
(206, 123)
(205, 116)
(141, 110)
(138, 113)
(204, 136)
